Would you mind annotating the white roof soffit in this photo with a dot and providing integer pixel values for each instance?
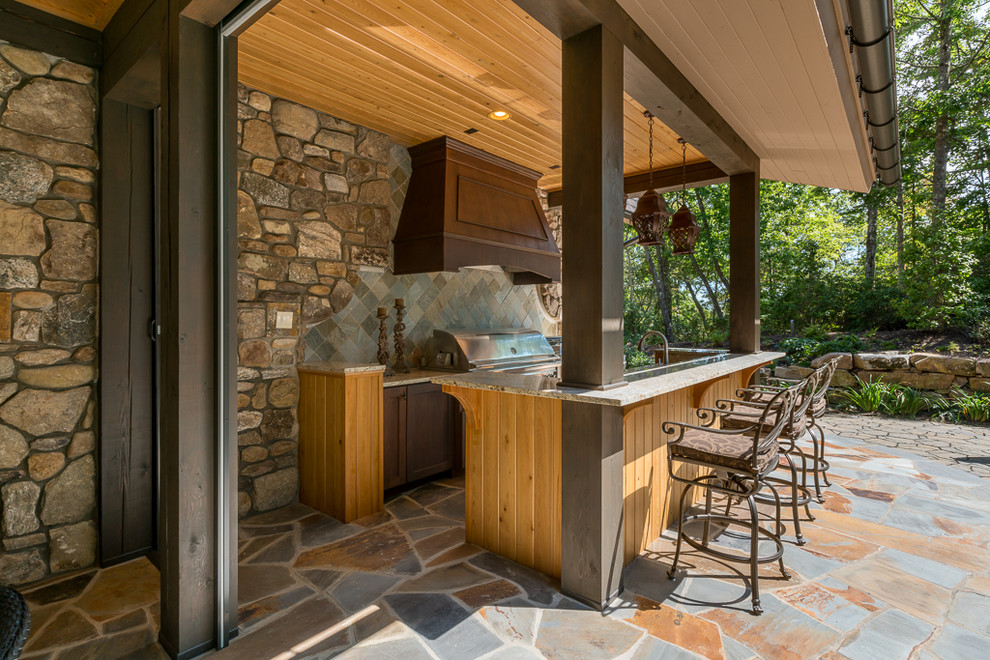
(779, 72)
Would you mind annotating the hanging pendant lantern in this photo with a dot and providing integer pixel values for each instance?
(684, 229)
(651, 214)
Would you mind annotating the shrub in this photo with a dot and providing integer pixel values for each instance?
(867, 397)
(906, 402)
(974, 407)
(890, 398)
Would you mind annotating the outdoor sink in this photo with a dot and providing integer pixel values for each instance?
(680, 359)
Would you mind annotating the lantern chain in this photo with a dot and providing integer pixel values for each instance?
(650, 116)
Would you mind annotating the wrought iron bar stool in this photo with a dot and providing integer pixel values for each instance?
(739, 460)
(746, 411)
(816, 464)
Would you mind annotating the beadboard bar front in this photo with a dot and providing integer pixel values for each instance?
(513, 467)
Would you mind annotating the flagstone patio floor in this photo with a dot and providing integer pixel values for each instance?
(897, 565)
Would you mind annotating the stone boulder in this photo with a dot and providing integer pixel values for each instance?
(792, 372)
(30, 62)
(248, 225)
(927, 380)
(979, 384)
(843, 378)
(22, 567)
(53, 108)
(295, 120)
(73, 252)
(881, 361)
(9, 77)
(23, 179)
(20, 504)
(72, 322)
(13, 447)
(73, 546)
(41, 412)
(22, 231)
(18, 274)
(983, 367)
(265, 191)
(276, 489)
(319, 240)
(58, 377)
(71, 496)
(944, 364)
(845, 360)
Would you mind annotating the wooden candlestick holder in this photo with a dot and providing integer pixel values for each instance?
(400, 340)
(383, 341)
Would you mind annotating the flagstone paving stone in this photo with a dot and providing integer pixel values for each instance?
(895, 567)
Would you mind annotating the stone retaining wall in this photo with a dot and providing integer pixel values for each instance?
(48, 299)
(921, 371)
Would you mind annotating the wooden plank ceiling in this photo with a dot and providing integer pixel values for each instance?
(419, 69)
(91, 13)
(766, 66)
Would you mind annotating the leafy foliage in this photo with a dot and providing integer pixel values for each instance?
(890, 398)
(814, 268)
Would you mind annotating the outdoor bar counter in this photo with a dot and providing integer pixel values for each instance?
(513, 454)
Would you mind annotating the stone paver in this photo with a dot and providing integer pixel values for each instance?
(895, 567)
(967, 447)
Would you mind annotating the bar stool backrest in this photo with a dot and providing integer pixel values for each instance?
(776, 415)
(803, 402)
(825, 374)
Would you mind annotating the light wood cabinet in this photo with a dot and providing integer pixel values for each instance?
(340, 440)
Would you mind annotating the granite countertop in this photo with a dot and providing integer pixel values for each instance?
(340, 367)
(413, 377)
(634, 392)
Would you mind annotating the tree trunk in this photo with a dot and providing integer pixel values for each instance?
(871, 242)
(716, 308)
(663, 295)
(900, 231)
(940, 156)
(701, 310)
(703, 214)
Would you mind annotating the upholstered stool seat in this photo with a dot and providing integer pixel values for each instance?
(737, 463)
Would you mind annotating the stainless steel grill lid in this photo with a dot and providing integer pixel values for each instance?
(515, 350)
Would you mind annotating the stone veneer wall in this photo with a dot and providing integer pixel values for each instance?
(48, 298)
(319, 200)
(921, 371)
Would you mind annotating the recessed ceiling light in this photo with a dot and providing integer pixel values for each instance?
(499, 115)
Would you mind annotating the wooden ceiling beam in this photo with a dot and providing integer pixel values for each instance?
(664, 180)
(652, 79)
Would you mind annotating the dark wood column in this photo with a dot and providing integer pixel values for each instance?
(591, 267)
(189, 332)
(591, 494)
(591, 515)
(744, 262)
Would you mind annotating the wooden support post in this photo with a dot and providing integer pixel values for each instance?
(591, 474)
(744, 262)
(189, 333)
(592, 202)
(591, 538)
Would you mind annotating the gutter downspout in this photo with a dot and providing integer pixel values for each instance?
(871, 38)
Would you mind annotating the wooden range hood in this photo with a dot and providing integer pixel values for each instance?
(467, 208)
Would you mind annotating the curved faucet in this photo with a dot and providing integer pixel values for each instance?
(652, 347)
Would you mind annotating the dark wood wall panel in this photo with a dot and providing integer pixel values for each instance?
(127, 393)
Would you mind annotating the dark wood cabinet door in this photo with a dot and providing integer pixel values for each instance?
(394, 437)
(429, 432)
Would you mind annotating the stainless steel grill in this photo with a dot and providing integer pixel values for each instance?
(504, 350)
